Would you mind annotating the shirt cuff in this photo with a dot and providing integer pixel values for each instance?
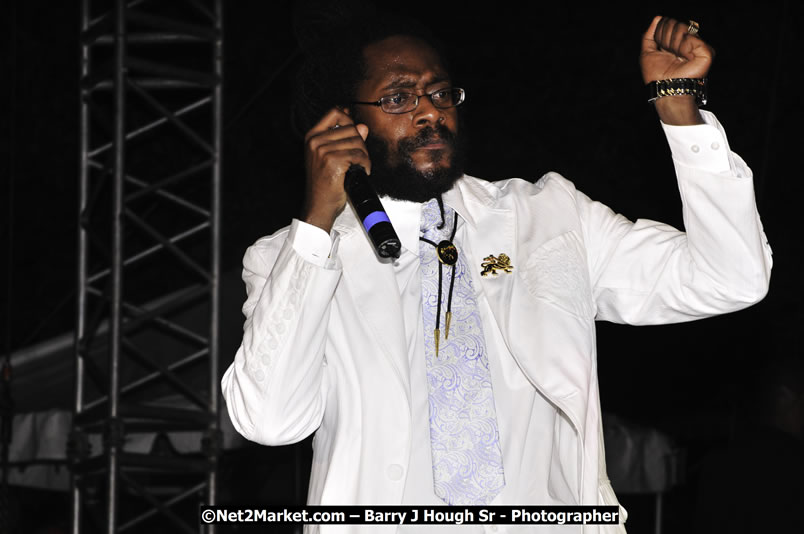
(313, 244)
(702, 146)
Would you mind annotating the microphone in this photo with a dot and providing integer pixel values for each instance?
(371, 213)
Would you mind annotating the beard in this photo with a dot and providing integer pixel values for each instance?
(401, 180)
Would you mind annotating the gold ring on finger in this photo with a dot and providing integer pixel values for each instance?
(693, 28)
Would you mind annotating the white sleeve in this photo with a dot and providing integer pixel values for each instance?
(276, 386)
(314, 245)
(648, 272)
(705, 147)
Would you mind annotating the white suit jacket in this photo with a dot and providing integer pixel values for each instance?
(321, 352)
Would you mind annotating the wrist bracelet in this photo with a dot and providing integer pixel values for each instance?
(679, 86)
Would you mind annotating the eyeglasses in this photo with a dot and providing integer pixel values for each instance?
(406, 102)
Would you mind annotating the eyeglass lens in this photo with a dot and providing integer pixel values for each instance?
(404, 102)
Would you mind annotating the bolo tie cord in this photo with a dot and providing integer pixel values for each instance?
(448, 317)
(440, 202)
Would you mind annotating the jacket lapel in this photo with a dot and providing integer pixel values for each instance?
(528, 325)
(493, 233)
(377, 302)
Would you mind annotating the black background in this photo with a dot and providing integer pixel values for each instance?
(549, 87)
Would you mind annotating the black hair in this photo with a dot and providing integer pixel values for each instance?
(334, 64)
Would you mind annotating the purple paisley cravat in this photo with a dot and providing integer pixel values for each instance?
(467, 463)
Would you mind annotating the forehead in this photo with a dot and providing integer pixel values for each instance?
(402, 60)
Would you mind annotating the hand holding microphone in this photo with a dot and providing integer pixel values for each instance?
(337, 163)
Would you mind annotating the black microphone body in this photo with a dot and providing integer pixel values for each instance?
(371, 213)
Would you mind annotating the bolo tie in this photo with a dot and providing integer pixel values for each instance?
(447, 255)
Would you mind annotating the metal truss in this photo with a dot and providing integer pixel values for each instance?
(146, 347)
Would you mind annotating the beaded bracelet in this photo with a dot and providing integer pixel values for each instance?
(697, 87)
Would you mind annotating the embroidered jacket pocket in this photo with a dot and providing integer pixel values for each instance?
(557, 273)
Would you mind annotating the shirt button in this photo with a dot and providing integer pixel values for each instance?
(715, 145)
(695, 148)
(395, 471)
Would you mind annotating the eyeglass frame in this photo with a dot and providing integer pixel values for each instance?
(418, 97)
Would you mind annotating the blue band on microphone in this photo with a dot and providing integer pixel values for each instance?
(373, 218)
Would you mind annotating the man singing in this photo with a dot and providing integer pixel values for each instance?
(464, 371)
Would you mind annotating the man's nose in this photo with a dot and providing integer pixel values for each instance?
(426, 113)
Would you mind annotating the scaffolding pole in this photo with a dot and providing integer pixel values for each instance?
(149, 232)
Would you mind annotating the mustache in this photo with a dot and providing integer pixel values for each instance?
(427, 135)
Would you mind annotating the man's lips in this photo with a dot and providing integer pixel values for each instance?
(437, 146)
(433, 145)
